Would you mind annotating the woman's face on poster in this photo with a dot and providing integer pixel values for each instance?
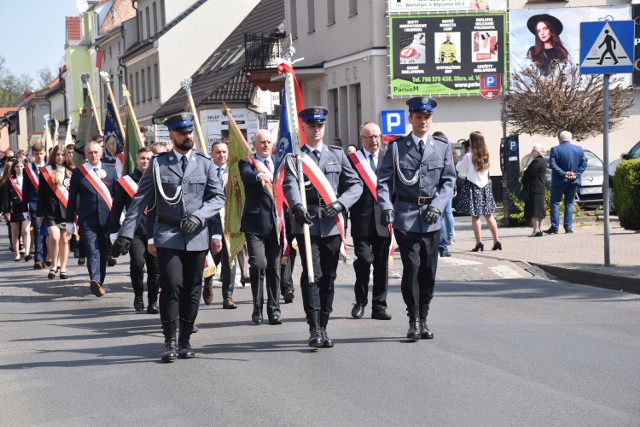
(543, 31)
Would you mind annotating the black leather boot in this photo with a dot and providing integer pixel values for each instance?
(324, 321)
(184, 347)
(425, 333)
(315, 335)
(414, 323)
(169, 352)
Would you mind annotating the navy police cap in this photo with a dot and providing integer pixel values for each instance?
(422, 104)
(314, 115)
(181, 122)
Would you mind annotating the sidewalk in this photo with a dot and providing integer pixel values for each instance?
(576, 257)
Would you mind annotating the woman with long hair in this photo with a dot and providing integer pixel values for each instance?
(476, 196)
(52, 208)
(6, 172)
(12, 208)
(548, 47)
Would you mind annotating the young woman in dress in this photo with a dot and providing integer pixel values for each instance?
(12, 208)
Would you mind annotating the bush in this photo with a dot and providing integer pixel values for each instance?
(626, 196)
(517, 218)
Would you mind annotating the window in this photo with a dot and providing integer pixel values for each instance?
(149, 83)
(156, 76)
(155, 18)
(311, 16)
(294, 20)
(143, 86)
(331, 12)
(137, 89)
(146, 11)
(353, 7)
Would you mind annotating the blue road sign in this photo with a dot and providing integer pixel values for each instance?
(606, 47)
(393, 122)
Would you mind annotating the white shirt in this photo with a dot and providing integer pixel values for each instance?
(465, 165)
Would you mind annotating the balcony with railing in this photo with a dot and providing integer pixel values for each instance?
(261, 53)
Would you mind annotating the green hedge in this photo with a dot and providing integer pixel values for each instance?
(626, 193)
(517, 218)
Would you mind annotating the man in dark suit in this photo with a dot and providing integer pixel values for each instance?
(90, 198)
(371, 239)
(30, 203)
(260, 226)
(567, 162)
(336, 179)
(415, 183)
(182, 187)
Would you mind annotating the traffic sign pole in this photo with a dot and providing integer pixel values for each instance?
(605, 178)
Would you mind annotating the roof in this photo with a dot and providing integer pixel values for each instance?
(5, 111)
(73, 32)
(121, 10)
(221, 77)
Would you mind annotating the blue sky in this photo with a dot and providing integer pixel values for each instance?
(33, 34)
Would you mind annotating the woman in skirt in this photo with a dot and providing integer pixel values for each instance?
(52, 201)
(12, 208)
(476, 197)
(533, 186)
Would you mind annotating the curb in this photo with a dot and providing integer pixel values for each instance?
(592, 278)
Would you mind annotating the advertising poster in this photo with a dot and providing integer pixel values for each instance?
(540, 35)
(636, 63)
(446, 5)
(444, 54)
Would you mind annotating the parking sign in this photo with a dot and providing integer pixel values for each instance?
(393, 122)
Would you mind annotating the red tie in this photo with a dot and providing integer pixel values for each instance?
(266, 162)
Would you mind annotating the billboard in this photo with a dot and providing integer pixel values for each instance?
(537, 36)
(636, 63)
(445, 5)
(444, 54)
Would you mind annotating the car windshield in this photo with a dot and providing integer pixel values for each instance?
(592, 160)
(635, 151)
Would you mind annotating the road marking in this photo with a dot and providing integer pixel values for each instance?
(455, 262)
(505, 272)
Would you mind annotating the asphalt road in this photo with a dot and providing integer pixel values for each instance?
(509, 349)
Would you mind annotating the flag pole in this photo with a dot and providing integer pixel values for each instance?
(127, 100)
(186, 86)
(295, 134)
(85, 77)
(106, 80)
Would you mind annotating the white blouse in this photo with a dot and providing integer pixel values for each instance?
(465, 165)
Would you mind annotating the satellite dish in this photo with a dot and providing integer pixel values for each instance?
(82, 5)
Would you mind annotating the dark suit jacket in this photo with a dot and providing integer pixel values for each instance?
(123, 200)
(85, 201)
(533, 176)
(566, 157)
(29, 192)
(365, 213)
(259, 215)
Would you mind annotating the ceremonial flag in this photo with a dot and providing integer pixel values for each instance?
(87, 128)
(234, 203)
(113, 138)
(132, 146)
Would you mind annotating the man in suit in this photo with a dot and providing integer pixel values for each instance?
(334, 188)
(260, 226)
(567, 162)
(415, 182)
(182, 187)
(371, 239)
(126, 188)
(30, 203)
(90, 198)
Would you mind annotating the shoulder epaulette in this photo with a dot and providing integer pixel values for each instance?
(334, 147)
(441, 139)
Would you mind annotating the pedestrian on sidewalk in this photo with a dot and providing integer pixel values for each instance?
(533, 187)
(567, 162)
(476, 196)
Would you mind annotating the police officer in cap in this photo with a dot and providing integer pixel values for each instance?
(182, 193)
(415, 182)
(332, 163)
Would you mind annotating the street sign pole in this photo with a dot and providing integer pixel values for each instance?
(605, 180)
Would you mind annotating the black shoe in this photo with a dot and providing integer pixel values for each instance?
(28, 258)
(414, 329)
(82, 260)
(184, 346)
(380, 315)
(76, 253)
(288, 297)
(169, 352)
(52, 274)
(111, 261)
(425, 333)
(153, 308)
(551, 230)
(256, 316)
(358, 310)
(38, 265)
(275, 319)
(445, 254)
(566, 232)
(497, 246)
(244, 281)
(138, 304)
(538, 234)
(478, 247)
(315, 336)
(324, 321)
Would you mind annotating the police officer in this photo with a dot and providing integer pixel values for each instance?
(181, 187)
(415, 182)
(332, 164)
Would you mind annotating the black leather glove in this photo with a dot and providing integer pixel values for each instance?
(300, 214)
(387, 217)
(120, 246)
(432, 215)
(332, 209)
(191, 224)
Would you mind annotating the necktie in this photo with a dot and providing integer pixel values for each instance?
(266, 163)
(96, 171)
(219, 173)
(372, 162)
(183, 159)
(317, 154)
(421, 147)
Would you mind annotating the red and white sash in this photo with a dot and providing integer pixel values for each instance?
(33, 177)
(129, 185)
(60, 190)
(96, 182)
(322, 185)
(16, 189)
(119, 163)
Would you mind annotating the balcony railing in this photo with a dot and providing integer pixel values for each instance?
(261, 52)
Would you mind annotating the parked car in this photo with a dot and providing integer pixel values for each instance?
(633, 153)
(590, 192)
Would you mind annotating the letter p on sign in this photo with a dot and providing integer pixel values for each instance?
(393, 122)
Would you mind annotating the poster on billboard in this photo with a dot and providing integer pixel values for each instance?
(445, 5)
(539, 36)
(636, 63)
(217, 124)
(444, 54)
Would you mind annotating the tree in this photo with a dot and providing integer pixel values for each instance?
(11, 87)
(563, 100)
(45, 76)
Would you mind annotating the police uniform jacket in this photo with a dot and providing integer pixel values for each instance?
(343, 179)
(121, 201)
(259, 214)
(85, 201)
(365, 213)
(436, 179)
(202, 196)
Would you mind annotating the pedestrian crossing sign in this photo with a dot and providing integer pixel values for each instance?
(606, 47)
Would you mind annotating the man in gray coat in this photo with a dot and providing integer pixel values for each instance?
(334, 171)
(182, 193)
(415, 182)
